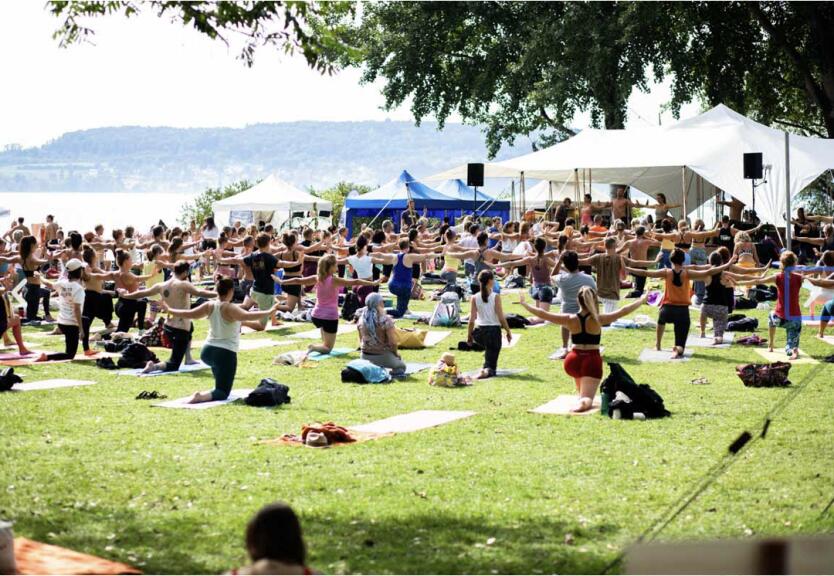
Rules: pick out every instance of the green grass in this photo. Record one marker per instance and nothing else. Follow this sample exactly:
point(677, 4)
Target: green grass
point(170, 491)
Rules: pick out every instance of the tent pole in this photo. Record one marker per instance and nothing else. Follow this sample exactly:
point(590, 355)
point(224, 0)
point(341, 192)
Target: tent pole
point(576, 185)
point(523, 190)
point(549, 197)
point(683, 188)
point(788, 230)
point(512, 199)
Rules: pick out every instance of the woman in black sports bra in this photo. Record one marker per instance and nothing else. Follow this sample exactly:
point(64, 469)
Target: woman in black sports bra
point(584, 363)
point(30, 264)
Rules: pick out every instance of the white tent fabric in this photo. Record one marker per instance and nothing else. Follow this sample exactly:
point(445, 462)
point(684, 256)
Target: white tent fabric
point(272, 195)
point(711, 145)
point(538, 197)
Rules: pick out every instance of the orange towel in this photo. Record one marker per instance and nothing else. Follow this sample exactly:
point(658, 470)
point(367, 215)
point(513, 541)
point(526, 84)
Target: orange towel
point(38, 558)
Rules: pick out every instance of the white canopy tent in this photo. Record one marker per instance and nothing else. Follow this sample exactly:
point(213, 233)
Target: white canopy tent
point(673, 160)
point(273, 197)
point(544, 193)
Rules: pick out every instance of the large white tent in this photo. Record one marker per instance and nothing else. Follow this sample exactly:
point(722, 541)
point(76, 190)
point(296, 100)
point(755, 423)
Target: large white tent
point(272, 195)
point(685, 161)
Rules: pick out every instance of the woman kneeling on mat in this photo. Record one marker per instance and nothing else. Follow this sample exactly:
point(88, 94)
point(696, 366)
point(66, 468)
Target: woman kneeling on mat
point(220, 350)
point(377, 336)
point(70, 304)
point(326, 311)
point(487, 314)
point(583, 363)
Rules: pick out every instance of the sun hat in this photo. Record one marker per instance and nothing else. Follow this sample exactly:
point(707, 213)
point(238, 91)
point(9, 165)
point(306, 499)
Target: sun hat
point(74, 264)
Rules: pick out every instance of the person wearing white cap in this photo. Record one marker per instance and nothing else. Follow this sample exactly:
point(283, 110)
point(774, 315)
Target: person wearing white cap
point(70, 303)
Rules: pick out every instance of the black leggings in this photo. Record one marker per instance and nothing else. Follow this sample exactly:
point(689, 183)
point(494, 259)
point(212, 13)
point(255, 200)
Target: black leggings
point(70, 343)
point(678, 316)
point(639, 284)
point(34, 293)
point(490, 338)
point(96, 305)
point(128, 310)
point(180, 341)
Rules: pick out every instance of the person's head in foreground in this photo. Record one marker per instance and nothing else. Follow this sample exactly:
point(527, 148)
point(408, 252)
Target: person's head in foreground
point(274, 542)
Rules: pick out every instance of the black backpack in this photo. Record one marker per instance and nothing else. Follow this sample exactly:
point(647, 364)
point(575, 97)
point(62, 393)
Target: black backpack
point(743, 303)
point(643, 398)
point(743, 325)
point(516, 321)
point(352, 376)
point(350, 306)
point(269, 393)
point(8, 379)
point(136, 356)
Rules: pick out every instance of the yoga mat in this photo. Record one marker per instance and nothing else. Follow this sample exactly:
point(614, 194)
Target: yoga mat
point(435, 337)
point(183, 402)
point(315, 334)
point(828, 339)
point(708, 342)
point(16, 356)
point(269, 328)
point(332, 354)
point(37, 558)
point(49, 384)
point(562, 405)
point(498, 373)
point(184, 368)
point(511, 343)
point(540, 325)
point(30, 361)
point(415, 367)
point(358, 437)
point(412, 421)
point(780, 356)
point(652, 355)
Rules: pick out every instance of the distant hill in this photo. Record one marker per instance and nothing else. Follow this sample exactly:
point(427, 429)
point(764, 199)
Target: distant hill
point(314, 154)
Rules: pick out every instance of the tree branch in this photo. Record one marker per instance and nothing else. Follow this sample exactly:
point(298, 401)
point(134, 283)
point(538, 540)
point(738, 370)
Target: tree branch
point(554, 124)
point(808, 129)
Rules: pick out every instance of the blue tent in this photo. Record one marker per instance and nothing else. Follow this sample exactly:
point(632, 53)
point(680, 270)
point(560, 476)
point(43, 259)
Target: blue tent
point(457, 188)
point(391, 199)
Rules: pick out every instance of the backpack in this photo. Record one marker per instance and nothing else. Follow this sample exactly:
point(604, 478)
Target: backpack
point(350, 306)
point(514, 281)
point(8, 379)
point(369, 373)
point(155, 336)
point(136, 355)
point(743, 303)
point(447, 311)
point(269, 393)
point(743, 325)
point(416, 291)
point(643, 398)
point(410, 339)
point(764, 375)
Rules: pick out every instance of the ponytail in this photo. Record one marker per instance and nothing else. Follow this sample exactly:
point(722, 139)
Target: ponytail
point(485, 276)
point(587, 298)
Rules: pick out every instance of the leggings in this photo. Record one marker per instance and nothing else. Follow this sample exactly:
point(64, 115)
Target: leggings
point(34, 293)
point(490, 338)
point(678, 316)
point(96, 305)
point(180, 341)
point(223, 366)
point(128, 310)
point(386, 360)
point(403, 294)
point(718, 314)
point(70, 343)
point(639, 284)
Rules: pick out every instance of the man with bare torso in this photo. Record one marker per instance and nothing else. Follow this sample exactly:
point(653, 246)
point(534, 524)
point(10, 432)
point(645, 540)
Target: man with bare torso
point(176, 293)
point(621, 205)
point(638, 249)
point(51, 235)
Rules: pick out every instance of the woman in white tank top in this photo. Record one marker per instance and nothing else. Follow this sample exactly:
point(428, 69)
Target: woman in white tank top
point(220, 350)
point(487, 315)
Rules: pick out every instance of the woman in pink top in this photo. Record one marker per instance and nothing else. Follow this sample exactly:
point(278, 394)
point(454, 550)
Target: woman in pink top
point(326, 312)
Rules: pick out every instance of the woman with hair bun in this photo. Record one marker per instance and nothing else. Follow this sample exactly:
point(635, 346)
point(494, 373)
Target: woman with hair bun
point(584, 363)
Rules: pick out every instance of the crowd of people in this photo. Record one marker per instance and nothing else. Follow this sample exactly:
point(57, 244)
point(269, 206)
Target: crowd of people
point(246, 276)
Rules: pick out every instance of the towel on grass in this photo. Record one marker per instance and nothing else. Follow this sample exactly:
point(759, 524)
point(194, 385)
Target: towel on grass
point(183, 402)
point(332, 354)
point(34, 557)
point(780, 356)
point(412, 421)
point(435, 337)
point(498, 373)
point(184, 368)
point(563, 404)
point(50, 384)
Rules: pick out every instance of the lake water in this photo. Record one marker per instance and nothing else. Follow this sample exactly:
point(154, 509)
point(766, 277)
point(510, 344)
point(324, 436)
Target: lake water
point(83, 210)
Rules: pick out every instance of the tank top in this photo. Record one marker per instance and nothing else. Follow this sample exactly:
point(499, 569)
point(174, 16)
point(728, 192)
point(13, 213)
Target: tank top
point(480, 264)
point(451, 264)
point(508, 245)
point(157, 277)
point(327, 300)
point(291, 270)
point(486, 311)
point(725, 238)
point(716, 292)
point(667, 244)
point(584, 337)
point(401, 274)
point(541, 272)
point(222, 334)
point(677, 295)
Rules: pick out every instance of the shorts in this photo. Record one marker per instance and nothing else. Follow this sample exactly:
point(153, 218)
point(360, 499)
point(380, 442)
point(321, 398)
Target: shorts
point(291, 290)
point(329, 326)
point(264, 302)
point(583, 364)
point(827, 311)
point(672, 314)
point(542, 293)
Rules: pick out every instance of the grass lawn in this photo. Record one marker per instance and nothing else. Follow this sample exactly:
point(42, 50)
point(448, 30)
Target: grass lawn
point(170, 491)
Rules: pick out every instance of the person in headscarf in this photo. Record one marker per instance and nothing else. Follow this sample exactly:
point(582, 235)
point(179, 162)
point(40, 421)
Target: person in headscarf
point(377, 336)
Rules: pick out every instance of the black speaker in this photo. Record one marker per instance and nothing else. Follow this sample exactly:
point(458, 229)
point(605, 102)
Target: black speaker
point(753, 166)
point(475, 175)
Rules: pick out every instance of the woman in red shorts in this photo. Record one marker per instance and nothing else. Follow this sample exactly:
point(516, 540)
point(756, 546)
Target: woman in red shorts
point(583, 363)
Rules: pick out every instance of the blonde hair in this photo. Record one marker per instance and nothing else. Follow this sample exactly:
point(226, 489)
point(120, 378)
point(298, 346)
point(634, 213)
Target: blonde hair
point(742, 237)
point(587, 298)
point(325, 267)
point(787, 259)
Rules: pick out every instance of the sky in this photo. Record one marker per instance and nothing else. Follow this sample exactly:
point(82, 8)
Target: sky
point(150, 71)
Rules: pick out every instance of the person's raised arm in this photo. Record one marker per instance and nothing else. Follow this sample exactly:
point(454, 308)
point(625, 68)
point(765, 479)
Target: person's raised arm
point(201, 311)
point(822, 282)
point(235, 312)
point(648, 273)
point(199, 292)
point(698, 274)
point(354, 282)
point(561, 319)
point(305, 281)
point(807, 240)
point(155, 289)
point(606, 319)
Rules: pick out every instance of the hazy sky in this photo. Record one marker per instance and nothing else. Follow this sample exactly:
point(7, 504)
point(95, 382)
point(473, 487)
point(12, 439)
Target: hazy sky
point(152, 72)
